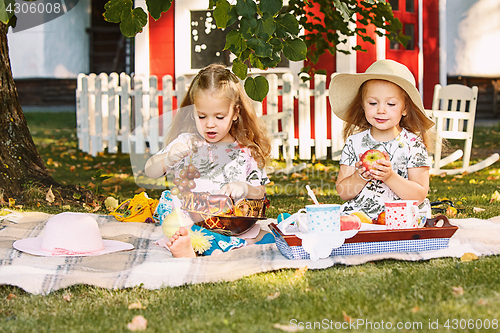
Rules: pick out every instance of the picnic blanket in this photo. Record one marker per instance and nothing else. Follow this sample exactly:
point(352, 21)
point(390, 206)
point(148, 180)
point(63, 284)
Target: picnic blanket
point(152, 266)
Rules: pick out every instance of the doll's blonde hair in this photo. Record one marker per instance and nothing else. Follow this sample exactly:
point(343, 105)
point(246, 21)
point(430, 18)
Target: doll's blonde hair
point(247, 129)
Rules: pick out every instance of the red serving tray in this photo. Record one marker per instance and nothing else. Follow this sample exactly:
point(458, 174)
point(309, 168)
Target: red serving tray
point(430, 230)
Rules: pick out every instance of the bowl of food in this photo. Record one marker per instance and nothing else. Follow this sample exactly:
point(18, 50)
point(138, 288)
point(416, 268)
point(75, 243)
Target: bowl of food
point(218, 213)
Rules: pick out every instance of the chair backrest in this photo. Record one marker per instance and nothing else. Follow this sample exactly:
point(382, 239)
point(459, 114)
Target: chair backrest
point(454, 111)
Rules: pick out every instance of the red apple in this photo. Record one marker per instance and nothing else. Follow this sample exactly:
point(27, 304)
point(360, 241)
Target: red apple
point(350, 222)
point(370, 157)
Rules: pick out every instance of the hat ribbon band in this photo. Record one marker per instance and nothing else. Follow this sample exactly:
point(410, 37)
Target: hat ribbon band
point(60, 252)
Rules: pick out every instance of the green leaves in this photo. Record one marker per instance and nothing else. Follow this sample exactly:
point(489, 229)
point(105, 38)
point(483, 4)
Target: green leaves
point(294, 49)
point(286, 26)
point(257, 88)
point(223, 13)
point(259, 39)
point(132, 20)
point(272, 7)
point(246, 8)
point(240, 69)
point(265, 31)
point(156, 7)
point(235, 43)
point(114, 9)
point(260, 47)
point(6, 11)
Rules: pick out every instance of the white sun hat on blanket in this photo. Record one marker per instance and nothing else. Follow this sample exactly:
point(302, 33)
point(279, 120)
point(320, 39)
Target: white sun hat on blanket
point(70, 234)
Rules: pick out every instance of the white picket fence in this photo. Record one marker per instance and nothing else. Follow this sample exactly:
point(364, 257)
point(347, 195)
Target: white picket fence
point(109, 108)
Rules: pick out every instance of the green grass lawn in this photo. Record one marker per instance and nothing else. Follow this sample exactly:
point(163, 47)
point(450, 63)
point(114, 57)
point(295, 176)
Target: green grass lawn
point(416, 295)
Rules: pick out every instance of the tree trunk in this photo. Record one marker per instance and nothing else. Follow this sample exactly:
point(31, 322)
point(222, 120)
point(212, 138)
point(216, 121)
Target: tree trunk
point(20, 161)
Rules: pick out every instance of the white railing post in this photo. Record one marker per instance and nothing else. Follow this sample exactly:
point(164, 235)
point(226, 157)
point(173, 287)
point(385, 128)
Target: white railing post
point(272, 109)
point(82, 113)
point(304, 121)
point(181, 89)
point(114, 107)
point(104, 102)
point(288, 125)
point(138, 136)
point(153, 130)
point(320, 118)
point(125, 111)
point(92, 107)
point(168, 105)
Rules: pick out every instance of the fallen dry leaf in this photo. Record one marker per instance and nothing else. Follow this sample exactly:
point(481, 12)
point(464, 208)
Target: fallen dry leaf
point(478, 210)
point(287, 328)
point(469, 257)
point(495, 196)
point(139, 190)
point(138, 323)
point(11, 296)
point(270, 297)
point(111, 203)
point(50, 197)
point(451, 211)
point(457, 291)
point(136, 306)
point(346, 317)
point(67, 298)
point(482, 302)
point(299, 273)
point(72, 168)
point(415, 309)
point(12, 202)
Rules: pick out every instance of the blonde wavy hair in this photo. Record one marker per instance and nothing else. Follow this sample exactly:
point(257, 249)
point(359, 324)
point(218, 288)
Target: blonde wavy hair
point(414, 120)
point(248, 130)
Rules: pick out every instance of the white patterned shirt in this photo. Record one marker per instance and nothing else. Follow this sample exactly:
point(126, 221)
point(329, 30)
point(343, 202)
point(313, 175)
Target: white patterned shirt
point(219, 164)
point(405, 151)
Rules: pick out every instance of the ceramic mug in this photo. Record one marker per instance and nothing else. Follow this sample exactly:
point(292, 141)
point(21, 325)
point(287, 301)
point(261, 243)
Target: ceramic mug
point(401, 214)
point(299, 220)
point(322, 218)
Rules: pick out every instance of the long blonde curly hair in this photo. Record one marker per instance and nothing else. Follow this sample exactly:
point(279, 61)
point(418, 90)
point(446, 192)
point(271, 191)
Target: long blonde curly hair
point(248, 130)
point(414, 120)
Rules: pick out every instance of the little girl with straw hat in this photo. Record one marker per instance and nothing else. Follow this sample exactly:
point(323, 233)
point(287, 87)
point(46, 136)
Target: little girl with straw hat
point(382, 110)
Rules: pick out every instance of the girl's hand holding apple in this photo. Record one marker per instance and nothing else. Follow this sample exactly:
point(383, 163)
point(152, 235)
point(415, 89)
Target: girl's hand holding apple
point(382, 170)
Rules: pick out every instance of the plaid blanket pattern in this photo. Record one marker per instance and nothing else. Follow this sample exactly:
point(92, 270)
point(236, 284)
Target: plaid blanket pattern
point(154, 267)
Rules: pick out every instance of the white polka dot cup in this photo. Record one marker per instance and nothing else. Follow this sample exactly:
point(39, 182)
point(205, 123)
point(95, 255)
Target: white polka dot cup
point(322, 218)
point(401, 214)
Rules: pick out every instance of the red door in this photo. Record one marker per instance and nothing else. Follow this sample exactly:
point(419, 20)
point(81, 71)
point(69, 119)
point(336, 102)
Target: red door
point(407, 12)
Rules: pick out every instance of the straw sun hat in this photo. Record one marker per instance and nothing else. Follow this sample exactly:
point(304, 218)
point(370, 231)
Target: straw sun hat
point(70, 234)
point(344, 87)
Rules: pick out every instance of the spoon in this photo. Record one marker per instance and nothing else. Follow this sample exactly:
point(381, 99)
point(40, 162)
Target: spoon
point(312, 195)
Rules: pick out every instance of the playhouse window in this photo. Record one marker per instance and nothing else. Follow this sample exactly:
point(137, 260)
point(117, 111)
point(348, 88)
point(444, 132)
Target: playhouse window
point(394, 4)
point(410, 32)
point(410, 6)
point(394, 45)
point(207, 42)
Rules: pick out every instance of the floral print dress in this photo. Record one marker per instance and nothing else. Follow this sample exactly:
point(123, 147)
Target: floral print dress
point(219, 164)
point(405, 151)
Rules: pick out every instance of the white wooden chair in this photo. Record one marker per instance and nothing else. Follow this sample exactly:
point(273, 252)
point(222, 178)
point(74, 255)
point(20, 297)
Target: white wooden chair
point(454, 112)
